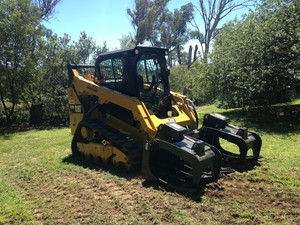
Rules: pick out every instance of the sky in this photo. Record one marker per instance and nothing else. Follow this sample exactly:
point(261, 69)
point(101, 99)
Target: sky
point(103, 20)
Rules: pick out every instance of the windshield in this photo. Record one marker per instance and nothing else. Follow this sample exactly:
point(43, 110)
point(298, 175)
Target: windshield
point(149, 70)
point(152, 83)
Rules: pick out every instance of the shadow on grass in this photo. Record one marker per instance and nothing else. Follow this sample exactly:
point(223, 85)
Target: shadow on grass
point(277, 119)
point(6, 131)
point(52, 124)
point(98, 166)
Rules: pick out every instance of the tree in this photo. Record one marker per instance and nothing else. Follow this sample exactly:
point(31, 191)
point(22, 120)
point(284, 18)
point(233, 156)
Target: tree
point(46, 7)
point(21, 47)
point(20, 36)
point(173, 30)
point(155, 24)
point(58, 52)
point(211, 13)
point(85, 47)
point(256, 60)
point(184, 81)
point(99, 50)
point(126, 41)
point(146, 17)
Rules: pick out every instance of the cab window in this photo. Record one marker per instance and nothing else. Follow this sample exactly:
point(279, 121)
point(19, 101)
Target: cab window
point(149, 69)
point(113, 70)
point(112, 74)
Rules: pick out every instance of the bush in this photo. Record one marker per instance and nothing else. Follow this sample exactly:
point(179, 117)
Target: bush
point(196, 83)
point(256, 61)
point(185, 81)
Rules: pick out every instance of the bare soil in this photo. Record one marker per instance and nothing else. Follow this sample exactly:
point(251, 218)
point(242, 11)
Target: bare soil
point(96, 196)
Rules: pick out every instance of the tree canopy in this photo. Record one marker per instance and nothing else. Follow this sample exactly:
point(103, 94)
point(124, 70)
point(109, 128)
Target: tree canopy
point(33, 60)
point(212, 12)
point(153, 22)
point(20, 38)
point(253, 61)
point(256, 61)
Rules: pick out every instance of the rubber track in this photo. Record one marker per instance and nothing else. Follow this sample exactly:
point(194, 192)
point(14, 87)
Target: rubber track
point(120, 140)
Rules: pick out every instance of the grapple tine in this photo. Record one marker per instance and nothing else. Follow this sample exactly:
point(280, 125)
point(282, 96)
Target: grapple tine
point(216, 127)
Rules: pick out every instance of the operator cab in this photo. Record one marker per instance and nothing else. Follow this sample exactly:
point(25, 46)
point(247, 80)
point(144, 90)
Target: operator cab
point(141, 72)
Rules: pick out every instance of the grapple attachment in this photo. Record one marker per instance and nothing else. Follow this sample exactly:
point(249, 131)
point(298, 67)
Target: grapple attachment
point(179, 160)
point(216, 127)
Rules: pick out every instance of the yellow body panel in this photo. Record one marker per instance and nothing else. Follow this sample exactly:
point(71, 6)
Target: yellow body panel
point(148, 120)
point(75, 114)
point(94, 149)
point(103, 151)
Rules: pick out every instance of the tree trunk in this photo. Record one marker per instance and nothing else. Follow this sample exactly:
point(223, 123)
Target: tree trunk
point(190, 57)
point(195, 53)
point(178, 54)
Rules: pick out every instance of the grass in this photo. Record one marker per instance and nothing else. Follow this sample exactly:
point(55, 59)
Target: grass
point(22, 155)
point(39, 183)
point(12, 205)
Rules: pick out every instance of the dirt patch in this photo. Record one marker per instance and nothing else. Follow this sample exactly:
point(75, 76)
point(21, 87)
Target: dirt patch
point(255, 202)
point(88, 196)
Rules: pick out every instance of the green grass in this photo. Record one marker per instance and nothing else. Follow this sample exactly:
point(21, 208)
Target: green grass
point(22, 155)
point(12, 205)
point(36, 174)
point(38, 147)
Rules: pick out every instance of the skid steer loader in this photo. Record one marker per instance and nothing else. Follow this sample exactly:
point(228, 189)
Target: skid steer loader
point(124, 113)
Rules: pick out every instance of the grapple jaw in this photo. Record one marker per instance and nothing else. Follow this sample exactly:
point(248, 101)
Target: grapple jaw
point(216, 127)
point(179, 160)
